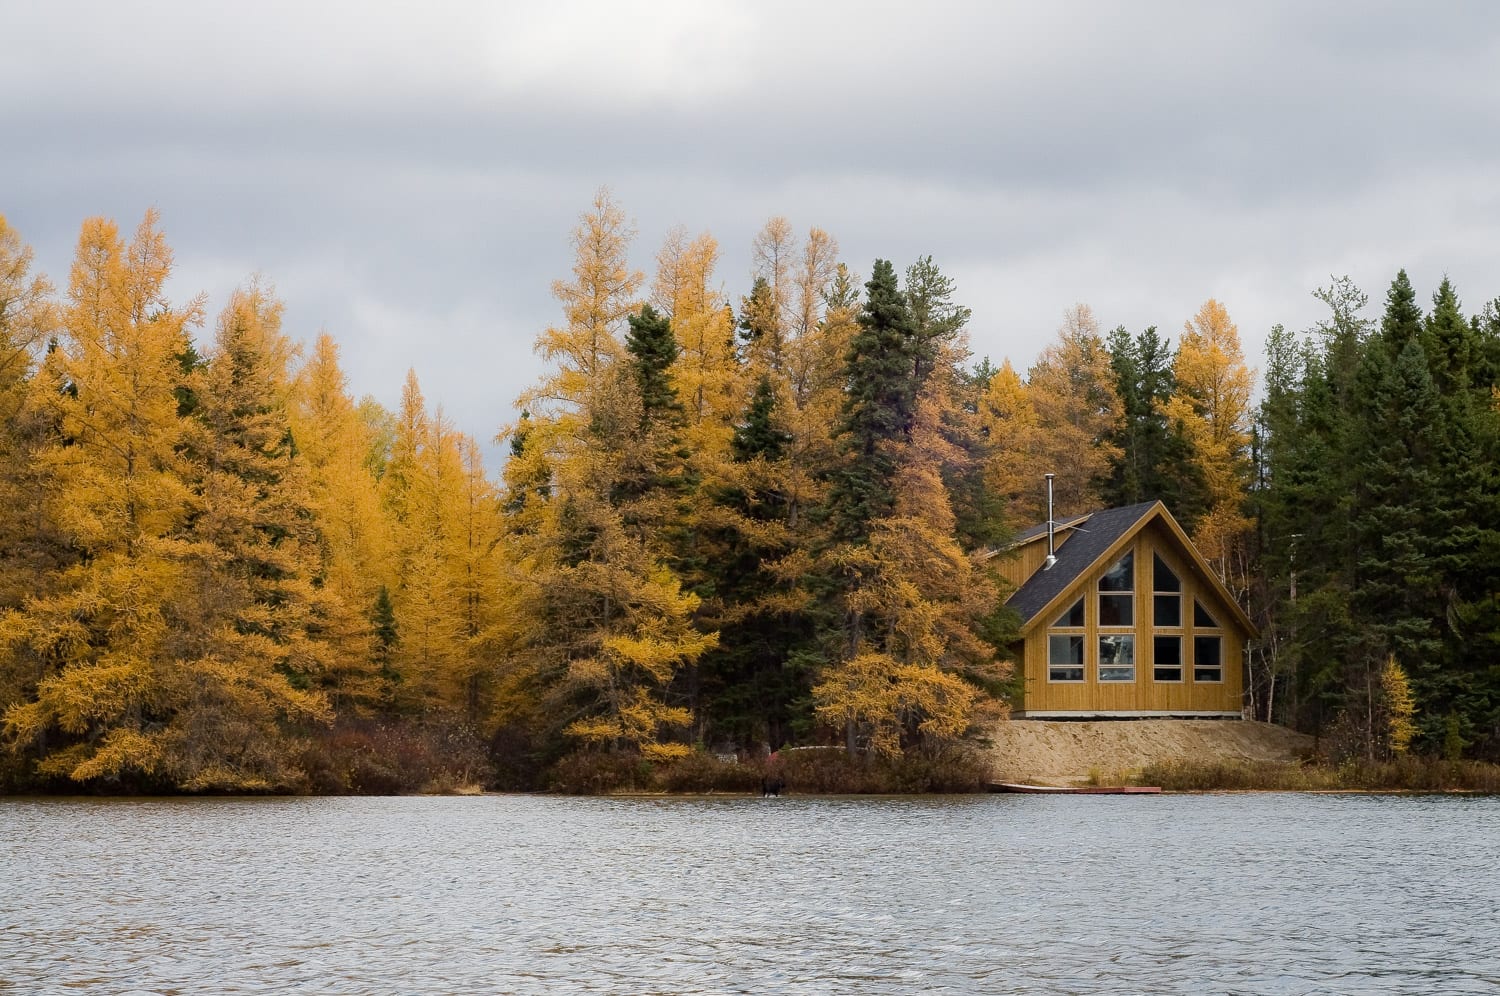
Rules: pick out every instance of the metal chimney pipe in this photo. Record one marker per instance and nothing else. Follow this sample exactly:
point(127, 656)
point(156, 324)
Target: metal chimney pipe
point(1051, 557)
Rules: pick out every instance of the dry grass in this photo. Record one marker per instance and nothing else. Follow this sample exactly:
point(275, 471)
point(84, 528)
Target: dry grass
point(1406, 775)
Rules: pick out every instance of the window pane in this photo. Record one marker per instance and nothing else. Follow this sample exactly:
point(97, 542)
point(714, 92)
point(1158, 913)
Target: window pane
point(1167, 661)
point(1120, 577)
point(1072, 617)
point(1162, 577)
point(1117, 658)
point(1116, 610)
point(1168, 610)
point(1117, 649)
point(1201, 616)
point(1208, 661)
point(1065, 658)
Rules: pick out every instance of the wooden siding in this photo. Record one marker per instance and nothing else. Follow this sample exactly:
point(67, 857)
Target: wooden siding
point(1144, 694)
point(1021, 562)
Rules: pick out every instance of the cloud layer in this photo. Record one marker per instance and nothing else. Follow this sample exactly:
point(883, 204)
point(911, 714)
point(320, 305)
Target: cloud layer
point(407, 174)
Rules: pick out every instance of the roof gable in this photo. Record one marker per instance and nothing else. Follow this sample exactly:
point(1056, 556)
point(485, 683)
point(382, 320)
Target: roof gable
point(1095, 539)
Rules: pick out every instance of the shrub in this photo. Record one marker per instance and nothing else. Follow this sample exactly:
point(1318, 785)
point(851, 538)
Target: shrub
point(373, 758)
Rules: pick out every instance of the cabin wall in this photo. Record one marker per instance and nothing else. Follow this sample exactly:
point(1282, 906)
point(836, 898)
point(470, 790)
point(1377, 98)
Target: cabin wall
point(1020, 563)
point(1144, 695)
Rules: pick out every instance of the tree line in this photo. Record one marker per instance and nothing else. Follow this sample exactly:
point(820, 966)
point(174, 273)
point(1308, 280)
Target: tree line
point(723, 524)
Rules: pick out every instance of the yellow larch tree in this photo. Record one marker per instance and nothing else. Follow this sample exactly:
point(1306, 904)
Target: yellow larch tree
point(29, 548)
point(1070, 390)
point(1016, 463)
point(418, 490)
point(1211, 407)
point(121, 689)
point(706, 375)
point(335, 442)
point(920, 667)
point(612, 623)
point(257, 635)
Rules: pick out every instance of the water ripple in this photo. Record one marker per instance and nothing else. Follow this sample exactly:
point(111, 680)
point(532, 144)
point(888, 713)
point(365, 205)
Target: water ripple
point(1255, 894)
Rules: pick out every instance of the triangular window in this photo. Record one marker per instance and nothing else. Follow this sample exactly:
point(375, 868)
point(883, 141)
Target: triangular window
point(1201, 616)
point(1073, 617)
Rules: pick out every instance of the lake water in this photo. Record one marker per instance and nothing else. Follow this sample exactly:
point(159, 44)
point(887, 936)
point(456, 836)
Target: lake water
point(517, 894)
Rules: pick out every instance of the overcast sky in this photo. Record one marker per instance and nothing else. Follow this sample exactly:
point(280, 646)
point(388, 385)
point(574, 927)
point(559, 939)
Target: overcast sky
point(407, 174)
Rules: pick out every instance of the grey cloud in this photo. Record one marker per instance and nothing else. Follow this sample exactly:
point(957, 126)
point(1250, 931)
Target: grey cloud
point(405, 193)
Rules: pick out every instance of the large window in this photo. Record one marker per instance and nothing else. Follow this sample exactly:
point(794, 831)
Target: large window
point(1116, 601)
point(1166, 617)
point(1117, 621)
point(1167, 600)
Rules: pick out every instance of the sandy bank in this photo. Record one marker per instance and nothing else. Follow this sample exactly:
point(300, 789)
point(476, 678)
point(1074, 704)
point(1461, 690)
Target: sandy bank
point(1051, 752)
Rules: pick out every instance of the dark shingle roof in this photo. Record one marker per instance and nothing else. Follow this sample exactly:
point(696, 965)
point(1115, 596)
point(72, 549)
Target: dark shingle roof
point(1086, 544)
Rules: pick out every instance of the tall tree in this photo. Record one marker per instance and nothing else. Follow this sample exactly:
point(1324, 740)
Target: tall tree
point(118, 693)
point(1211, 407)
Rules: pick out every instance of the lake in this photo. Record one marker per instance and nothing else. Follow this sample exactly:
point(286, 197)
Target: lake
point(1262, 893)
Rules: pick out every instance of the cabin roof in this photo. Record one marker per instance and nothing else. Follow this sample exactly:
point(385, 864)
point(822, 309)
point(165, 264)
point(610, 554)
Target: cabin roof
point(1090, 538)
point(1039, 531)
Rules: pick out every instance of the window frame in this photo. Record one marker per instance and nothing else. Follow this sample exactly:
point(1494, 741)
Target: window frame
point(1124, 633)
point(1161, 632)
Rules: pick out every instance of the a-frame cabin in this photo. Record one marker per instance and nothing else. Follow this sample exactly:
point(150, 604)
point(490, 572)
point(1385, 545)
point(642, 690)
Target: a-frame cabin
point(1127, 620)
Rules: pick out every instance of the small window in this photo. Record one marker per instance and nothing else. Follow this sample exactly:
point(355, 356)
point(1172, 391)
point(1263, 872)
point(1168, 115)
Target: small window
point(1117, 657)
point(1208, 658)
point(1120, 577)
point(1116, 610)
point(1065, 658)
point(1162, 578)
point(1072, 617)
point(1201, 616)
point(1166, 664)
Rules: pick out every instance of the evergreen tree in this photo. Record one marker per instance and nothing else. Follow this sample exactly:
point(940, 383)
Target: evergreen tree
point(882, 360)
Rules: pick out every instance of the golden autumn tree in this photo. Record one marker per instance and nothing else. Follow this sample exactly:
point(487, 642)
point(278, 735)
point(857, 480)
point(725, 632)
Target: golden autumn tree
point(29, 548)
point(335, 441)
point(614, 625)
point(1211, 407)
point(1071, 389)
point(919, 668)
point(120, 689)
point(1010, 423)
point(706, 374)
point(259, 634)
point(417, 489)
point(911, 666)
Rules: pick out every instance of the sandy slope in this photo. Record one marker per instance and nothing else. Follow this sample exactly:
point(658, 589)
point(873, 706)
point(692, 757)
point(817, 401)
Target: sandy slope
point(1053, 752)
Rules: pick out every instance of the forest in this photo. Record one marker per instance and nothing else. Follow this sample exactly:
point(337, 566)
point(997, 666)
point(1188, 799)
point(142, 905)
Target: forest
point(725, 524)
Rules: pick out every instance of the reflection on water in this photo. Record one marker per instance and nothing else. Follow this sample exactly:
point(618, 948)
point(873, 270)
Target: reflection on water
point(997, 894)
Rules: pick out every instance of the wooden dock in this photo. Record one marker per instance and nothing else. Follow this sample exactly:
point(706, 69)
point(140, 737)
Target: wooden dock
point(1075, 789)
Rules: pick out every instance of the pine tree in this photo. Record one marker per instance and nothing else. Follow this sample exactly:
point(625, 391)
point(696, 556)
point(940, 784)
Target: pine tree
point(880, 397)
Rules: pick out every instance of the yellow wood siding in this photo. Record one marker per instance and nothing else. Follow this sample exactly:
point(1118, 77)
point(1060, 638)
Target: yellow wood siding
point(1144, 694)
point(1018, 564)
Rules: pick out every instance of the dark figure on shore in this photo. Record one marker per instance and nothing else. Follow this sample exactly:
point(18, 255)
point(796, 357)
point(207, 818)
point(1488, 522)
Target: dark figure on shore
point(772, 785)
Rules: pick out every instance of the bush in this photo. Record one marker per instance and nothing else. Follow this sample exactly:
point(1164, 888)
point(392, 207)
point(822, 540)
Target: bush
point(703, 773)
point(834, 771)
point(601, 774)
point(392, 758)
